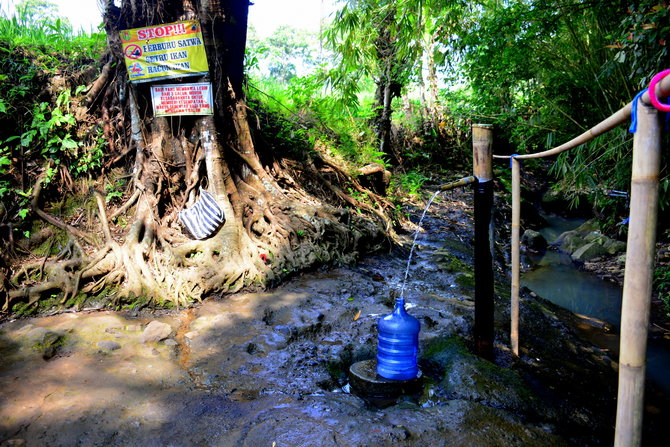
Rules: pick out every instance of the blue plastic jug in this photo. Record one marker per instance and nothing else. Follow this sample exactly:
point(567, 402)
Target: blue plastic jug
point(398, 344)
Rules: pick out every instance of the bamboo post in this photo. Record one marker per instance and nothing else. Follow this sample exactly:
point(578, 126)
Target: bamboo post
point(638, 277)
point(516, 225)
point(482, 145)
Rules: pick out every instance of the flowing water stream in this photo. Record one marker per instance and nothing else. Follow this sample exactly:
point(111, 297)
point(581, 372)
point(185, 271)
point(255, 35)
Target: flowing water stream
point(557, 279)
point(411, 251)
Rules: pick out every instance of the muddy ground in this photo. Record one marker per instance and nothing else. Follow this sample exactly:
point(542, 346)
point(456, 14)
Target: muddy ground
point(270, 369)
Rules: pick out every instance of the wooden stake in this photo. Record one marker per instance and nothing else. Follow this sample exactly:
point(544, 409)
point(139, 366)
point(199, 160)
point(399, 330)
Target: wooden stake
point(482, 141)
point(638, 278)
point(516, 225)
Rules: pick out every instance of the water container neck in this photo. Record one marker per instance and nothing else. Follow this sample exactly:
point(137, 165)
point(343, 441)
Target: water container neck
point(399, 306)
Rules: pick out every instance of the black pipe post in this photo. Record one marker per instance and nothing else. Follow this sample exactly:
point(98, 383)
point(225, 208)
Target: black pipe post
point(482, 145)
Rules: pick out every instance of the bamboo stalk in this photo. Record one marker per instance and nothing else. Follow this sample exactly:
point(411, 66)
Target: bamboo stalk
point(455, 184)
point(516, 225)
point(482, 152)
point(638, 277)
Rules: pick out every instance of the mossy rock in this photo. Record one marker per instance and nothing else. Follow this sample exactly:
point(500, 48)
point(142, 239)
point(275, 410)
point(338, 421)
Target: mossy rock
point(570, 241)
point(467, 377)
point(589, 251)
point(589, 226)
point(46, 342)
point(614, 246)
point(466, 281)
point(450, 263)
point(533, 240)
point(596, 236)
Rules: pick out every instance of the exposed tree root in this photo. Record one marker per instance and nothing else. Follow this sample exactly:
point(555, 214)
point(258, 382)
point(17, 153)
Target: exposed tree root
point(273, 225)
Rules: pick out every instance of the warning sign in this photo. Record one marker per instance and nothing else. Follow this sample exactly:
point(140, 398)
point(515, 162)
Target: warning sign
point(182, 99)
point(164, 51)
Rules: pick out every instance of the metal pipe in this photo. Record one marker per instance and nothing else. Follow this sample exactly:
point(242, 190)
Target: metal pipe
point(482, 142)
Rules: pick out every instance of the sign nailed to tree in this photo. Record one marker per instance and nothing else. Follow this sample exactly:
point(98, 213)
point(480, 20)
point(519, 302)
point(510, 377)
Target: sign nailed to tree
point(182, 99)
point(164, 51)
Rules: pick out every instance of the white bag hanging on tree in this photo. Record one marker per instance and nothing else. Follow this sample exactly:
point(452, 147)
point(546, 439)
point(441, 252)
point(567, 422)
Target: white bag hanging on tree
point(204, 217)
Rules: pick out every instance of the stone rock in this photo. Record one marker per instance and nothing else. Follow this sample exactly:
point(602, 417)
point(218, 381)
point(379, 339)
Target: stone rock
point(614, 246)
point(155, 331)
point(133, 328)
point(589, 251)
point(45, 341)
point(171, 342)
point(588, 226)
point(533, 240)
point(468, 377)
point(570, 241)
point(15, 442)
point(596, 236)
point(191, 335)
point(108, 345)
point(37, 334)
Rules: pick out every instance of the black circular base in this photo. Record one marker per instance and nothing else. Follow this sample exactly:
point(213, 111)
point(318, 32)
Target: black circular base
point(365, 382)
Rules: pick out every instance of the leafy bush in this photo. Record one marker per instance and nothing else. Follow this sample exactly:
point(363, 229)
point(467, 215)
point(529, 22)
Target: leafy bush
point(38, 129)
point(662, 285)
point(410, 182)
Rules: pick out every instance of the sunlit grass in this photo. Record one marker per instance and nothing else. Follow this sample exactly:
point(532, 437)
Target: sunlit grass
point(52, 42)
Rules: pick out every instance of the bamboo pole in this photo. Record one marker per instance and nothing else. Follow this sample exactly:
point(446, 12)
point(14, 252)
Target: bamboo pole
point(638, 277)
point(460, 182)
point(482, 147)
point(516, 225)
point(482, 152)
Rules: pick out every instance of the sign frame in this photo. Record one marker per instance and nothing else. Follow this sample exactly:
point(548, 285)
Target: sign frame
point(166, 51)
point(188, 99)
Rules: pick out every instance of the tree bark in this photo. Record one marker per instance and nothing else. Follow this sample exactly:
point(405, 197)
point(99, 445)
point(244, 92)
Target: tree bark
point(272, 227)
point(388, 87)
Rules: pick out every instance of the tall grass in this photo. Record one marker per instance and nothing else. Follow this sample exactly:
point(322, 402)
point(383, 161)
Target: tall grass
point(331, 125)
point(51, 41)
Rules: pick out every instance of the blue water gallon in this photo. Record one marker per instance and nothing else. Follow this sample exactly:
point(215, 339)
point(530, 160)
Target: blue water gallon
point(398, 344)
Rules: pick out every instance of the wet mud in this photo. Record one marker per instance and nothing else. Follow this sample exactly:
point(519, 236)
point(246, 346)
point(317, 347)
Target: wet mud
point(270, 369)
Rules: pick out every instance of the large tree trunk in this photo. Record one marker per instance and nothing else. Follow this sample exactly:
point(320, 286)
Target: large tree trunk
point(273, 226)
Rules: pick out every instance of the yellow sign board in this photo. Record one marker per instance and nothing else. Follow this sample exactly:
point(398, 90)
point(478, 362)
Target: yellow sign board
point(164, 51)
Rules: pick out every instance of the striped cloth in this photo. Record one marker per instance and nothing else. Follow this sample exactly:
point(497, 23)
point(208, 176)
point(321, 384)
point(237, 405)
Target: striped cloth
point(203, 218)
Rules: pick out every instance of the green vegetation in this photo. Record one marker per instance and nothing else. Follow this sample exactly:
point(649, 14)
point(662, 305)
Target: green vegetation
point(40, 59)
point(390, 83)
point(662, 286)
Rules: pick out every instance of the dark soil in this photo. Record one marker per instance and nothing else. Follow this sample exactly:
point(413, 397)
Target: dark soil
point(271, 368)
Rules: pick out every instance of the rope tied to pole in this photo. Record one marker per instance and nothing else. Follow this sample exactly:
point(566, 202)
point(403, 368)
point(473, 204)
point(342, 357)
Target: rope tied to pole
point(511, 159)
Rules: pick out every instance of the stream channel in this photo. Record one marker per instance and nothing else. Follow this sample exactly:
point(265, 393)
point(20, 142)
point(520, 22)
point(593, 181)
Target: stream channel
point(270, 368)
point(556, 278)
